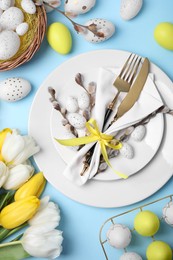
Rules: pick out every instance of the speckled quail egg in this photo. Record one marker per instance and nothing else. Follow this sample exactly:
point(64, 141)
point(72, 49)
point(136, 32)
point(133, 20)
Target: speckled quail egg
point(76, 120)
point(54, 3)
point(76, 7)
point(119, 236)
point(105, 28)
point(1, 11)
point(14, 89)
point(28, 6)
point(11, 18)
point(130, 256)
point(130, 8)
point(5, 4)
point(9, 44)
point(168, 213)
point(72, 104)
point(69, 135)
point(127, 151)
point(139, 133)
point(22, 29)
point(83, 101)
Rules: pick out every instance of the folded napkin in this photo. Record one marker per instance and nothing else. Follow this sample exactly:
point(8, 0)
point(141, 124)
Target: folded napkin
point(148, 102)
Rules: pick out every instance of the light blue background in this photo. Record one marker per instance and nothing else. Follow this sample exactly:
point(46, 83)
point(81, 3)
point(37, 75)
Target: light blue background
point(81, 223)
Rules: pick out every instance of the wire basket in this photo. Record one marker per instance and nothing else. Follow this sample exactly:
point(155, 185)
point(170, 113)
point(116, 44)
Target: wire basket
point(118, 218)
point(31, 41)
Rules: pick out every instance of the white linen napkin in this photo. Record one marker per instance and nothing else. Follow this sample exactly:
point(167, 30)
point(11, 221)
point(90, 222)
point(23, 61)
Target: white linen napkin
point(148, 102)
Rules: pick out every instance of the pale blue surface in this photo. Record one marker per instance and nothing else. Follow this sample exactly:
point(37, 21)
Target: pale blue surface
point(81, 223)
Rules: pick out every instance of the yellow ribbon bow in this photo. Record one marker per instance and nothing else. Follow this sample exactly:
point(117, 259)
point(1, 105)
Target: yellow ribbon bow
point(95, 135)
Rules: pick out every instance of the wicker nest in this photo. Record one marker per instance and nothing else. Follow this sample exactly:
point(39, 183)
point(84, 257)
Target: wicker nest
point(31, 41)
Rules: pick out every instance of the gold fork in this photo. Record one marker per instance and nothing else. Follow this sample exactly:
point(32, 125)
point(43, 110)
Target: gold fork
point(124, 81)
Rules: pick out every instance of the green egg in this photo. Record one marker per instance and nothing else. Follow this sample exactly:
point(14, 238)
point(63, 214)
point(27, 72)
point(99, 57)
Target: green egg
point(163, 34)
point(59, 38)
point(159, 250)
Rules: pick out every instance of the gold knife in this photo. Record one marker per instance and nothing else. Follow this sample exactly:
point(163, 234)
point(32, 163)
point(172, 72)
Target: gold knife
point(134, 92)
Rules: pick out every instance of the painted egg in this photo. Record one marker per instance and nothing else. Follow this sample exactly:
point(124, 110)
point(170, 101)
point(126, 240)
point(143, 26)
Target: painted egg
point(76, 7)
point(10, 44)
point(105, 28)
point(14, 89)
point(119, 236)
point(69, 135)
point(139, 133)
point(59, 38)
point(11, 18)
point(54, 3)
point(71, 104)
point(76, 120)
point(5, 4)
point(127, 151)
point(130, 8)
point(159, 250)
point(130, 256)
point(168, 213)
point(146, 223)
point(28, 6)
point(22, 29)
point(83, 101)
point(163, 34)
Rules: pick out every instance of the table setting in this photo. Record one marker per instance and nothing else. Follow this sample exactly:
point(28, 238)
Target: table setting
point(86, 130)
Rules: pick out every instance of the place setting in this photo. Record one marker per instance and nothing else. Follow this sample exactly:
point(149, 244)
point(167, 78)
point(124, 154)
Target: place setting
point(88, 102)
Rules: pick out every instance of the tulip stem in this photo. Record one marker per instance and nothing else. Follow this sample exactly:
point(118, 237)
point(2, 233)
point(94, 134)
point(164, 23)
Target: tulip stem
point(10, 243)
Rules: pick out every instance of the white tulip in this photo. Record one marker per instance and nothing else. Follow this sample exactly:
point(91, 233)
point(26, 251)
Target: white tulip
point(3, 173)
point(47, 216)
point(16, 148)
point(38, 244)
point(18, 175)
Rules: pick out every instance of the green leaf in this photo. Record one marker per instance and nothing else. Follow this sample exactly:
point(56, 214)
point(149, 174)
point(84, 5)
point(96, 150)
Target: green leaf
point(12, 251)
point(6, 198)
point(4, 233)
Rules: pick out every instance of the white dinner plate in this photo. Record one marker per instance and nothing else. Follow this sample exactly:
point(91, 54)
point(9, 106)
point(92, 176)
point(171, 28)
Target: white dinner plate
point(144, 151)
point(100, 193)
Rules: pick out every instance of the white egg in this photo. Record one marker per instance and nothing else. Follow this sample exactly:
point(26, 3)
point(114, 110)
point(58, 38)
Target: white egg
point(119, 236)
point(69, 135)
point(168, 213)
point(54, 3)
point(139, 133)
point(76, 120)
point(127, 151)
point(76, 7)
point(130, 8)
point(71, 104)
point(28, 6)
point(14, 89)
point(130, 256)
point(104, 27)
point(9, 44)
point(83, 101)
point(11, 18)
point(22, 29)
point(5, 4)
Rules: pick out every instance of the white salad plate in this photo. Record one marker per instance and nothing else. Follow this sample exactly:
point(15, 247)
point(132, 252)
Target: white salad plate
point(100, 193)
point(144, 151)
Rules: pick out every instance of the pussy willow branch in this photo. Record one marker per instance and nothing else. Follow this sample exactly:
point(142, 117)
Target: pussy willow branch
point(91, 28)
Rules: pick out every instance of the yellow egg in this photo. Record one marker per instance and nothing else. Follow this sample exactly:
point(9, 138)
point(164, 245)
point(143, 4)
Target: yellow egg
point(159, 250)
point(146, 223)
point(163, 34)
point(59, 38)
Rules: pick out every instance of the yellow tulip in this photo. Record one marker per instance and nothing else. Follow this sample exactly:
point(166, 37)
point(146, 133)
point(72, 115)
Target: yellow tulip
point(17, 213)
point(3, 134)
point(33, 187)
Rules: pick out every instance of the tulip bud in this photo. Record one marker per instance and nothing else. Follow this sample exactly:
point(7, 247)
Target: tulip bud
point(18, 175)
point(3, 173)
point(17, 213)
point(3, 134)
point(33, 187)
